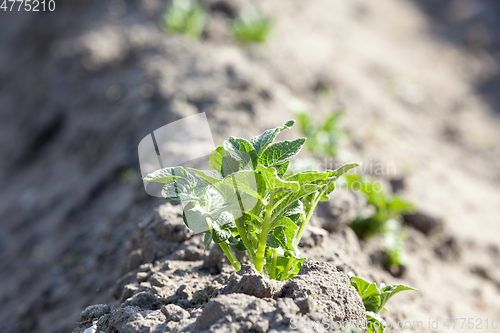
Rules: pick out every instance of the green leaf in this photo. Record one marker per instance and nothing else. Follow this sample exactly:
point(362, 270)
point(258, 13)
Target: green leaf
point(400, 206)
point(368, 291)
point(242, 151)
point(389, 291)
point(294, 210)
point(331, 121)
point(249, 186)
point(229, 165)
point(237, 243)
point(185, 17)
point(195, 214)
point(251, 26)
point(283, 222)
point(291, 241)
point(375, 323)
point(243, 187)
point(375, 297)
point(335, 174)
point(183, 186)
point(195, 217)
point(308, 177)
point(261, 142)
point(215, 159)
point(324, 196)
point(280, 152)
point(207, 240)
point(276, 238)
point(297, 265)
point(211, 177)
point(166, 175)
point(287, 199)
point(221, 227)
point(282, 234)
point(274, 183)
point(282, 168)
point(280, 264)
point(253, 237)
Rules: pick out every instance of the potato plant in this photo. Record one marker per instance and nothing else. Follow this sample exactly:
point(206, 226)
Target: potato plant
point(374, 299)
point(251, 26)
point(387, 207)
point(325, 137)
point(186, 17)
point(385, 220)
point(246, 201)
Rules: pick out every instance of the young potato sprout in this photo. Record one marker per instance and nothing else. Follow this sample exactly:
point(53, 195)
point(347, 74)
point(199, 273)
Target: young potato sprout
point(386, 219)
point(374, 299)
point(251, 26)
point(186, 17)
point(246, 201)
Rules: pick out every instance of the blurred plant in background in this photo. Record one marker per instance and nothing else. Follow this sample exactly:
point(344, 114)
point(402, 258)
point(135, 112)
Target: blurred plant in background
point(251, 26)
point(186, 17)
point(394, 238)
point(384, 218)
point(325, 137)
point(383, 215)
point(387, 207)
point(374, 298)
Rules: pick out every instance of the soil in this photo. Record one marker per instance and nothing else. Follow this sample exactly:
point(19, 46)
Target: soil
point(81, 86)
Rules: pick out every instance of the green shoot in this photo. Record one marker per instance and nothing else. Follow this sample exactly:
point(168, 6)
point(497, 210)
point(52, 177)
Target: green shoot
point(251, 26)
point(246, 200)
point(394, 238)
point(386, 219)
point(387, 207)
point(374, 299)
point(186, 17)
point(324, 138)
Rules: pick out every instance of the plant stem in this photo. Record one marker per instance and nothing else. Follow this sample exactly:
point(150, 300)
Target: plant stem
point(241, 229)
point(287, 269)
point(259, 260)
point(244, 238)
point(272, 275)
point(230, 255)
point(255, 217)
point(305, 221)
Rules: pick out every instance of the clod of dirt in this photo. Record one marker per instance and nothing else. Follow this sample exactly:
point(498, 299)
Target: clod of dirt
point(306, 305)
point(164, 234)
point(94, 312)
point(240, 313)
point(398, 184)
point(424, 222)
point(313, 236)
point(329, 288)
point(200, 297)
point(249, 281)
point(448, 249)
point(342, 208)
point(174, 312)
point(131, 320)
point(145, 300)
